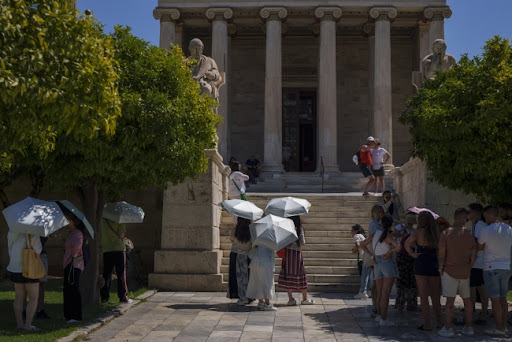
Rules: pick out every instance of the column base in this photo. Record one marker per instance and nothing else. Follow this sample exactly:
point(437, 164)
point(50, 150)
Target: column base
point(272, 171)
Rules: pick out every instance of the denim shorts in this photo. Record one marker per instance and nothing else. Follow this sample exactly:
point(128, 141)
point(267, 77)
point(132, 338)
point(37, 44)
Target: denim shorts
point(496, 283)
point(385, 268)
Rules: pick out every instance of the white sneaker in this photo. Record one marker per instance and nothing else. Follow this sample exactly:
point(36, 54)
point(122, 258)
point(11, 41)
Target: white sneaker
point(260, 306)
point(269, 307)
point(359, 295)
point(468, 331)
point(292, 302)
point(387, 323)
point(446, 332)
point(365, 295)
point(378, 318)
point(495, 332)
point(242, 302)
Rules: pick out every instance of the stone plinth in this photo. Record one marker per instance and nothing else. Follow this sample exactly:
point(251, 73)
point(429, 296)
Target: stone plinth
point(190, 255)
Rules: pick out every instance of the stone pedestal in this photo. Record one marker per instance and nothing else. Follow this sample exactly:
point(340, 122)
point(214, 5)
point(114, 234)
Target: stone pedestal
point(382, 103)
point(327, 109)
point(190, 255)
point(219, 18)
point(273, 135)
point(168, 21)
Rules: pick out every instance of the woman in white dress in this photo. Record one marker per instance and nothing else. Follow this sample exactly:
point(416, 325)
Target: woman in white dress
point(261, 278)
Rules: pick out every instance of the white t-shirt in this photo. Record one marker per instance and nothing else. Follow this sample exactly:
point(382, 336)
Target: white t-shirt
point(239, 179)
point(378, 157)
point(497, 238)
point(359, 238)
point(479, 261)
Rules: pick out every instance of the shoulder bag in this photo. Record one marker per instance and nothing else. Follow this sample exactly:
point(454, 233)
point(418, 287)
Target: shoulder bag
point(33, 267)
point(128, 244)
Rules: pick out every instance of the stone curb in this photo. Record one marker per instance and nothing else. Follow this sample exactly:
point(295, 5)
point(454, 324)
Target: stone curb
point(105, 318)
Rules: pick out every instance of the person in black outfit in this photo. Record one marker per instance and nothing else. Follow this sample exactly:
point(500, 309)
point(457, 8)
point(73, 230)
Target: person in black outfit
point(252, 168)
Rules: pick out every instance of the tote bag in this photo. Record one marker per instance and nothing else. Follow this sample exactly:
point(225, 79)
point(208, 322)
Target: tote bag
point(33, 267)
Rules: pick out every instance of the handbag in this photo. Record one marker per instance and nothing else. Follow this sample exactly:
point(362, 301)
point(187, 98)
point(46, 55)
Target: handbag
point(33, 267)
point(243, 196)
point(128, 244)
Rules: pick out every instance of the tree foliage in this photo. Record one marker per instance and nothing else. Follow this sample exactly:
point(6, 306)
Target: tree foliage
point(57, 77)
point(461, 124)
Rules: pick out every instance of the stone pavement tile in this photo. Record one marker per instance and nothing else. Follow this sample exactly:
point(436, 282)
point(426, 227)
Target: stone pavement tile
point(227, 333)
point(125, 339)
point(162, 333)
point(135, 330)
point(178, 320)
point(297, 334)
point(190, 337)
point(232, 321)
point(235, 327)
point(196, 299)
point(286, 339)
point(199, 328)
point(256, 328)
point(252, 336)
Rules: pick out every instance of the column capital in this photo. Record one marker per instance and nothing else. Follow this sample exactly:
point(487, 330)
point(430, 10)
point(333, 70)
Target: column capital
point(218, 13)
point(166, 14)
point(437, 13)
point(383, 13)
point(273, 13)
point(328, 13)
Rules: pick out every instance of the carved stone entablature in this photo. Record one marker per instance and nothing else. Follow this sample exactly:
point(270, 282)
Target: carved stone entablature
point(383, 13)
point(437, 13)
point(167, 14)
point(217, 13)
point(328, 13)
point(232, 30)
point(369, 30)
point(273, 13)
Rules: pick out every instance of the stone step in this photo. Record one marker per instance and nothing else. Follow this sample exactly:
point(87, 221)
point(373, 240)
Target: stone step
point(347, 287)
point(308, 247)
point(312, 270)
point(314, 227)
point(346, 234)
point(320, 278)
point(315, 262)
point(309, 240)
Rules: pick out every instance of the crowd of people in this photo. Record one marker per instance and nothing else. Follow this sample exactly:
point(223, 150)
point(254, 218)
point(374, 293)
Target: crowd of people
point(73, 237)
point(429, 257)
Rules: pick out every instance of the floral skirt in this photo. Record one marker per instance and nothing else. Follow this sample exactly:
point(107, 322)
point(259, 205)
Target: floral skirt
point(293, 273)
point(406, 289)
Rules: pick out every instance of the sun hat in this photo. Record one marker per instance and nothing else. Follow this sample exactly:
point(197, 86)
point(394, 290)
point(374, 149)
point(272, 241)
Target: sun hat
point(370, 138)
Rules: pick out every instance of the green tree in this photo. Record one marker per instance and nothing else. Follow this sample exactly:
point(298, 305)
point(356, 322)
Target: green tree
point(161, 136)
point(461, 124)
point(57, 76)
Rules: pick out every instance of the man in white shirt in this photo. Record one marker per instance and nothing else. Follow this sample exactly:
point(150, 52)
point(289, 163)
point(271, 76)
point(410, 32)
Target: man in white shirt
point(496, 241)
point(476, 280)
point(379, 157)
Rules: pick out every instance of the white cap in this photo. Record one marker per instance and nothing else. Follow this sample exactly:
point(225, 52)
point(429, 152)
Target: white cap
point(370, 138)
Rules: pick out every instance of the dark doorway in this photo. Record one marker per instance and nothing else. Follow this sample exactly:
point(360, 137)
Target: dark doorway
point(299, 130)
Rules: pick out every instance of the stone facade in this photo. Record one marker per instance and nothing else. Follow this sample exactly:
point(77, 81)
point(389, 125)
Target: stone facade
point(356, 57)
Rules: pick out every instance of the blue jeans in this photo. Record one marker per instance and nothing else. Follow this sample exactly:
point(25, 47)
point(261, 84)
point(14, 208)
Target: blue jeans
point(496, 283)
point(385, 268)
point(366, 279)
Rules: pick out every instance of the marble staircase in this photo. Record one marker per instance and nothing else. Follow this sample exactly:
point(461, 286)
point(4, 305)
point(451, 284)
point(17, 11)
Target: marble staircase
point(330, 264)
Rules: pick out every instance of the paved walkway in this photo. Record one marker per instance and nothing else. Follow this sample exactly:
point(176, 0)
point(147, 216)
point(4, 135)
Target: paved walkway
point(187, 316)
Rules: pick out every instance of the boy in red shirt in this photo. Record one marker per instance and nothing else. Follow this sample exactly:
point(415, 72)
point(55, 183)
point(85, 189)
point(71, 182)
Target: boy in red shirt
point(366, 164)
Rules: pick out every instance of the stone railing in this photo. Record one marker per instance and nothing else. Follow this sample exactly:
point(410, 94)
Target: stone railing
point(411, 183)
point(190, 255)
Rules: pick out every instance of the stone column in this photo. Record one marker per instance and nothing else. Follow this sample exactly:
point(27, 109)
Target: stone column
point(273, 136)
point(327, 109)
point(369, 31)
point(435, 16)
point(382, 96)
point(423, 39)
point(219, 18)
point(168, 19)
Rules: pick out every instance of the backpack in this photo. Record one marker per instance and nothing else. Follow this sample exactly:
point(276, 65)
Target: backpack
point(86, 252)
point(357, 157)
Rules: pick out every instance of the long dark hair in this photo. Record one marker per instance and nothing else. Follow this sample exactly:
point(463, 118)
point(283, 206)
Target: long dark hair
point(387, 222)
point(242, 232)
point(298, 226)
point(359, 230)
point(428, 224)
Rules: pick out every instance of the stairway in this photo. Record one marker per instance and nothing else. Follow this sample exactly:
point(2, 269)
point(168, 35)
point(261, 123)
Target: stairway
point(330, 264)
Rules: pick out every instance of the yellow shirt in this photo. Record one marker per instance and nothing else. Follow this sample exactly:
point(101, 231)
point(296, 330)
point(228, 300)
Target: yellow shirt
point(110, 241)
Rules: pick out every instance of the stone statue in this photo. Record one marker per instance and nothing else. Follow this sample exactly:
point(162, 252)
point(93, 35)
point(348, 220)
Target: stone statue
point(437, 60)
point(205, 71)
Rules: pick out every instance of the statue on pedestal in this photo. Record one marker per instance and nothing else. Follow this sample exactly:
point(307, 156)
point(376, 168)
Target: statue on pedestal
point(205, 71)
point(437, 60)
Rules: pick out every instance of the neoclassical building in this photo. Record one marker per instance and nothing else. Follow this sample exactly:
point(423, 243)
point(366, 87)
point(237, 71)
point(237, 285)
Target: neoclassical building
point(307, 81)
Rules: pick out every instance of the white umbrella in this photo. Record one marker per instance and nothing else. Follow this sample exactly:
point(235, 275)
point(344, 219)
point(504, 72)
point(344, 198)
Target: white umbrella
point(418, 210)
point(288, 206)
point(71, 207)
point(122, 212)
point(241, 208)
point(273, 232)
point(35, 216)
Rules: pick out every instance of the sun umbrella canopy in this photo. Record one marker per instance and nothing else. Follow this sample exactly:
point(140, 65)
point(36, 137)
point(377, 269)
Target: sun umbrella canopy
point(418, 210)
point(122, 212)
point(288, 206)
point(71, 207)
point(273, 232)
point(35, 216)
point(241, 208)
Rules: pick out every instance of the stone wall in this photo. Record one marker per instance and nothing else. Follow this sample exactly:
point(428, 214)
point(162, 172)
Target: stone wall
point(189, 258)
point(411, 183)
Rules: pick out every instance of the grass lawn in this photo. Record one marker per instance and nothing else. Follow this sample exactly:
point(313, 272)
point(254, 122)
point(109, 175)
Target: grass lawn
point(56, 327)
point(509, 296)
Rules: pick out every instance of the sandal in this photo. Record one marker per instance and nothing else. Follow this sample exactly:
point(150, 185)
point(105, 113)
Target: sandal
point(307, 302)
point(292, 302)
point(32, 328)
point(366, 194)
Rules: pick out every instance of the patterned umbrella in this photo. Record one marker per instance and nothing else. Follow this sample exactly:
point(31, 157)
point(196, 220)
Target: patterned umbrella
point(273, 232)
point(122, 212)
